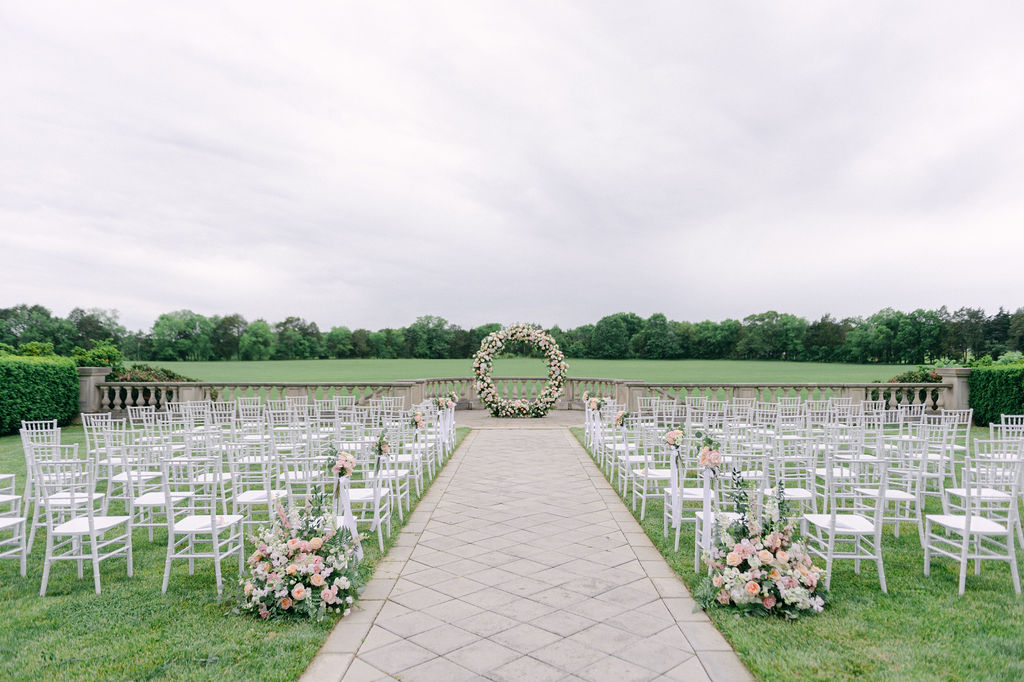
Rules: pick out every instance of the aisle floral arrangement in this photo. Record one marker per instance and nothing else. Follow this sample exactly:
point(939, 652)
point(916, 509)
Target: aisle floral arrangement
point(483, 364)
point(304, 565)
point(708, 455)
point(447, 401)
point(757, 565)
point(620, 418)
point(595, 402)
point(418, 421)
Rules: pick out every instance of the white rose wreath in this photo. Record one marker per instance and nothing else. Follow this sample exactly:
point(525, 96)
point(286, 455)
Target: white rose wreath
point(483, 363)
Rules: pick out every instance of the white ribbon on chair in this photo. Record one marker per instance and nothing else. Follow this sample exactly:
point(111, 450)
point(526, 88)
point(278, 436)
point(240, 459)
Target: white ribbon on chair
point(676, 483)
point(706, 511)
point(344, 512)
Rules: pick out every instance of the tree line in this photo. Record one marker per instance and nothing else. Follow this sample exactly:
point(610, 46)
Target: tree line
point(888, 336)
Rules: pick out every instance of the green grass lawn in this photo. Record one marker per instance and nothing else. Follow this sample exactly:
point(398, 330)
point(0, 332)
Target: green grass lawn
point(920, 630)
point(132, 631)
point(667, 371)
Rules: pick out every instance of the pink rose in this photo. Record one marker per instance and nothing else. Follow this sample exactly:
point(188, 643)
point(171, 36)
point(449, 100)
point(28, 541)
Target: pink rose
point(723, 597)
point(299, 592)
point(769, 602)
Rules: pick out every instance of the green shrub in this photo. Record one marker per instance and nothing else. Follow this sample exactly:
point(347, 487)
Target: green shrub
point(147, 373)
point(921, 375)
point(102, 354)
point(996, 391)
point(36, 388)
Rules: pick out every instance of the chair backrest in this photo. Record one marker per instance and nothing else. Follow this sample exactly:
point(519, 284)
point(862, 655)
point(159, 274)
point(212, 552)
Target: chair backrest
point(224, 413)
point(38, 433)
point(192, 485)
point(140, 416)
point(66, 479)
point(1005, 431)
point(1008, 419)
point(993, 465)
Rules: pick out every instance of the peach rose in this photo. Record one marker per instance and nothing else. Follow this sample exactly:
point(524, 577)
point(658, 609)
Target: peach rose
point(316, 579)
point(299, 592)
point(316, 543)
point(765, 556)
point(248, 589)
point(752, 588)
point(733, 559)
point(292, 569)
point(717, 581)
point(285, 603)
point(782, 556)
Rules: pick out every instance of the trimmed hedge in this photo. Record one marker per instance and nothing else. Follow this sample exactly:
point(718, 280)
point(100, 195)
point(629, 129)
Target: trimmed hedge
point(996, 391)
point(36, 388)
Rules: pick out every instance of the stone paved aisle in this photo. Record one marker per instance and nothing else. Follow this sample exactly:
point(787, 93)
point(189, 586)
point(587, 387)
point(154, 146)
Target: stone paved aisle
point(521, 563)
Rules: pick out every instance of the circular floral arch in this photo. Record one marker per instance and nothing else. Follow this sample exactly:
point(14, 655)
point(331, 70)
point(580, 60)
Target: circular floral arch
point(483, 363)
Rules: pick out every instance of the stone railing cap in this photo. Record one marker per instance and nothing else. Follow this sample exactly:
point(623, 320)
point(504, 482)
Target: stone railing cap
point(94, 371)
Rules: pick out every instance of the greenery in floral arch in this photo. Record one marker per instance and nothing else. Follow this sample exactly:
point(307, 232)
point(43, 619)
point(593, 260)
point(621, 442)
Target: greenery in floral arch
point(483, 363)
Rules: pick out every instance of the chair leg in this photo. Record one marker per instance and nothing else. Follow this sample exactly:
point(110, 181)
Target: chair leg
point(241, 552)
point(34, 523)
point(47, 562)
point(881, 568)
point(216, 565)
point(167, 564)
point(94, 541)
point(1013, 562)
point(927, 548)
point(24, 551)
point(963, 564)
point(131, 561)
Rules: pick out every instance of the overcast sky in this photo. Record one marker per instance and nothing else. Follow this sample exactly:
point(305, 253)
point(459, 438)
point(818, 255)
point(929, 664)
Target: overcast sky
point(363, 164)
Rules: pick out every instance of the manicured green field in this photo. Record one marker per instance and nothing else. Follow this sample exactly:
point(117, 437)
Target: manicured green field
point(920, 630)
point(643, 370)
point(132, 631)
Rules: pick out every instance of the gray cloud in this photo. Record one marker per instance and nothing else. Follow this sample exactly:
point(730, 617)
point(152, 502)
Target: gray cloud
point(552, 162)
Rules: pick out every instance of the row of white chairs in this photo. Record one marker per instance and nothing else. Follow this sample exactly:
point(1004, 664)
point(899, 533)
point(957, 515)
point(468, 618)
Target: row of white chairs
point(207, 480)
point(845, 481)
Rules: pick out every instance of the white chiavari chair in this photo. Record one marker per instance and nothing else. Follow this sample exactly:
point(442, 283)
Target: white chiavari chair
point(984, 513)
point(76, 528)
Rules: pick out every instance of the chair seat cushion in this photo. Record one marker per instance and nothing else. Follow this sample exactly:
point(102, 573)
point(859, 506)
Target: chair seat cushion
point(202, 523)
point(65, 499)
point(890, 494)
point(987, 494)
point(656, 474)
point(8, 522)
point(979, 524)
point(849, 524)
point(800, 494)
point(362, 495)
point(685, 493)
point(137, 476)
point(157, 499)
point(259, 496)
point(80, 525)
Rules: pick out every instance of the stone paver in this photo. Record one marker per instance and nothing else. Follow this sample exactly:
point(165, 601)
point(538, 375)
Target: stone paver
point(521, 563)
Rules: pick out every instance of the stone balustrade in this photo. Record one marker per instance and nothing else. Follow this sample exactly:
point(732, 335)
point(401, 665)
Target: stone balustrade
point(98, 395)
